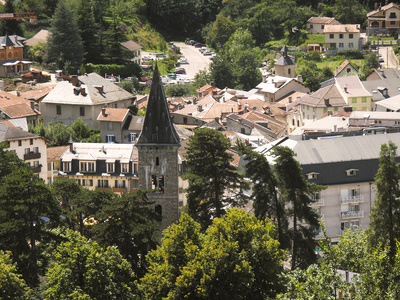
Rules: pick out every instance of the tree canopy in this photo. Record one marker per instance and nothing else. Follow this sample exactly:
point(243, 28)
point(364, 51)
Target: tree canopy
point(214, 182)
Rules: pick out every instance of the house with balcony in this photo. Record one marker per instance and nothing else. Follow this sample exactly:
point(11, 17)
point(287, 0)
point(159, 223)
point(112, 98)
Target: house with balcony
point(342, 37)
point(12, 62)
point(28, 147)
point(53, 162)
point(347, 167)
point(101, 166)
point(316, 25)
point(384, 19)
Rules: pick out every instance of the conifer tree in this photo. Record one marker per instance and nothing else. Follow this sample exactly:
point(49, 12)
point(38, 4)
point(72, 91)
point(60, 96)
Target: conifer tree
point(214, 182)
point(384, 226)
point(297, 194)
point(64, 43)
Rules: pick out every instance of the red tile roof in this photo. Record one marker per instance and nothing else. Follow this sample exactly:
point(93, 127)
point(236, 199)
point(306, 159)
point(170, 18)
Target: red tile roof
point(113, 114)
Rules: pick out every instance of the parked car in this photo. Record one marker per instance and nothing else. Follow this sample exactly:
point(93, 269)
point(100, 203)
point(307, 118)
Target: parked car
point(192, 42)
point(145, 79)
point(381, 60)
point(183, 60)
point(208, 53)
point(199, 45)
point(147, 58)
point(172, 75)
point(161, 55)
point(180, 71)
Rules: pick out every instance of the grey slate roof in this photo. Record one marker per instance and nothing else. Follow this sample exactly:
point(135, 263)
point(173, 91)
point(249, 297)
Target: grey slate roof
point(375, 87)
point(157, 127)
point(13, 133)
point(331, 157)
point(11, 40)
point(317, 99)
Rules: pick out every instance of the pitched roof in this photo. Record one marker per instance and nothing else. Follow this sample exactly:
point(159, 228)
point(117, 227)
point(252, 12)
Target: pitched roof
point(54, 153)
point(157, 127)
point(63, 92)
point(8, 133)
point(131, 45)
point(390, 5)
point(113, 114)
point(354, 86)
point(354, 28)
point(320, 20)
point(15, 106)
point(40, 37)
point(342, 66)
point(36, 94)
point(317, 99)
point(11, 40)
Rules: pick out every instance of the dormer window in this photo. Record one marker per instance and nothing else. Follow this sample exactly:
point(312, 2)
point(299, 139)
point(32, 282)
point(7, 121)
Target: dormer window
point(312, 175)
point(351, 172)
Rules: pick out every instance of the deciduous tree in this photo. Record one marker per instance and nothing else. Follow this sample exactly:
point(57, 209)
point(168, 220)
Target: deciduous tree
point(83, 270)
point(12, 286)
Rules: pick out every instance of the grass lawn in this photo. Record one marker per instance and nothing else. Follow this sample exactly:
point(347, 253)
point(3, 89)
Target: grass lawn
point(315, 39)
point(333, 64)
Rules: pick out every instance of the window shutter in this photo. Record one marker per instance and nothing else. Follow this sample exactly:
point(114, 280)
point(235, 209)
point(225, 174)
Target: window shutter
point(106, 138)
point(130, 137)
point(113, 138)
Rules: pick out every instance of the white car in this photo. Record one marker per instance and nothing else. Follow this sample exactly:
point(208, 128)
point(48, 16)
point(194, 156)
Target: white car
point(146, 58)
point(183, 60)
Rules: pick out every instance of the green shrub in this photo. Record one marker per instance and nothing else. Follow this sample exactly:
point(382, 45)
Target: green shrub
point(355, 54)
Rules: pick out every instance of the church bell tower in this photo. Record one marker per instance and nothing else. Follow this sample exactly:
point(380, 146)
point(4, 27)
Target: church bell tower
point(158, 146)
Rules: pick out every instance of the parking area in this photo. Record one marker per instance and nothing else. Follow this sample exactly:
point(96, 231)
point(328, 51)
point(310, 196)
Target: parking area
point(193, 62)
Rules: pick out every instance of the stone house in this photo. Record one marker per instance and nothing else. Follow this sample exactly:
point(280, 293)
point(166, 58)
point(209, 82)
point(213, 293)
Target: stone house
point(317, 24)
point(83, 98)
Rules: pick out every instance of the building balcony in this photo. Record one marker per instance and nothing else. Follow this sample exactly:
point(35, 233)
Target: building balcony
point(32, 155)
point(352, 214)
point(119, 189)
point(37, 169)
point(353, 199)
point(99, 188)
point(318, 202)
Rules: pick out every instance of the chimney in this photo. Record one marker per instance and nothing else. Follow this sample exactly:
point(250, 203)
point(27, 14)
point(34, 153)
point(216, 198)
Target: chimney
point(194, 100)
point(33, 105)
point(83, 93)
point(345, 88)
point(199, 107)
point(71, 147)
point(99, 89)
point(376, 6)
point(18, 93)
point(326, 101)
point(300, 78)
point(103, 112)
point(74, 80)
point(290, 99)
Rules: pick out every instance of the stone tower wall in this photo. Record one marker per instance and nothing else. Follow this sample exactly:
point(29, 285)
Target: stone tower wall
point(167, 166)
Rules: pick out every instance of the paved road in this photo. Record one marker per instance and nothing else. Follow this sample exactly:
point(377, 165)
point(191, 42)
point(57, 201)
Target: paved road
point(197, 61)
point(387, 54)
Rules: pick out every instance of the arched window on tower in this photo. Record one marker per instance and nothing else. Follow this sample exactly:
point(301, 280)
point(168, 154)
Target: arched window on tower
point(157, 161)
point(158, 209)
point(153, 182)
point(161, 184)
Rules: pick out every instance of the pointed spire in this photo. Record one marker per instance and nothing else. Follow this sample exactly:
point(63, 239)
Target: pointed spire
point(157, 126)
point(284, 50)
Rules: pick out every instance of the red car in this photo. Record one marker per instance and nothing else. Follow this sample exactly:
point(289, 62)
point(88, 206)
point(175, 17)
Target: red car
point(199, 45)
point(180, 71)
point(144, 79)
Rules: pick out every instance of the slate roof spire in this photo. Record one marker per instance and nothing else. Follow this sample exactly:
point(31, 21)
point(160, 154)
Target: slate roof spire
point(158, 127)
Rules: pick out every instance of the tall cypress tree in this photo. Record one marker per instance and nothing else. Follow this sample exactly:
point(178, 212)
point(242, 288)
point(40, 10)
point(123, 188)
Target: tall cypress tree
point(64, 43)
point(385, 216)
